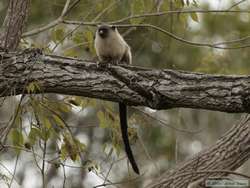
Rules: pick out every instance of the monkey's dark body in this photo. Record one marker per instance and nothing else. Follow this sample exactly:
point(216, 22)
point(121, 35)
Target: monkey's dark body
point(111, 47)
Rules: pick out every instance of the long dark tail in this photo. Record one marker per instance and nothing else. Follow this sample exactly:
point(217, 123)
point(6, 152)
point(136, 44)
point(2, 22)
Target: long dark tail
point(124, 130)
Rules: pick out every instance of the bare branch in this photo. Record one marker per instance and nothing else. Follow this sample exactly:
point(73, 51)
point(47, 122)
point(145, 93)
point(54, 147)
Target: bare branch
point(219, 45)
point(156, 14)
point(236, 4)
point(93, 23)
point(54, 23)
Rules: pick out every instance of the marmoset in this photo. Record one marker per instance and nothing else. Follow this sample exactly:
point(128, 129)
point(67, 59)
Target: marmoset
point(111, 47)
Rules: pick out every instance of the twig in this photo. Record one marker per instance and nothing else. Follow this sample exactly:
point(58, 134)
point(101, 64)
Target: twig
point(116, 183)
point(155, 14)
point(43, 164)
point(166, 124)
point(236, 4)
point(108, 8)
point(64, 176)
point(60, 18)
point(52, 24)
point(147, 153)
point(191, 43)
point(13, 175)
point(106, 177)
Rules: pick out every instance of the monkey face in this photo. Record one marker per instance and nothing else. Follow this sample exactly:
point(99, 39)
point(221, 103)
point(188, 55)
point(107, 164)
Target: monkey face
point(104, 30)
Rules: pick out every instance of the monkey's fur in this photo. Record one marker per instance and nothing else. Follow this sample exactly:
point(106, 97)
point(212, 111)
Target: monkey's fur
point(111, 47)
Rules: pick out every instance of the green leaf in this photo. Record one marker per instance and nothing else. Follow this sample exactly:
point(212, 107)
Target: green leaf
point(33, 87)
point(194, 17)
point(104, 121)
point(46, 122)
point(70, 147)
point(33, 135)
point(179, 3)
point(70, 53)
point(46, 133)
point(64, 152)
point(58, 34)
point(59, 122)
point(81, 146)
point(17, 138)
point(195, 4)
point(77, 101)
point(63, 107)
point(78, 37)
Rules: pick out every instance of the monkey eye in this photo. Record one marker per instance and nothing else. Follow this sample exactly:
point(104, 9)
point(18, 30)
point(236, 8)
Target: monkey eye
point(113, 27)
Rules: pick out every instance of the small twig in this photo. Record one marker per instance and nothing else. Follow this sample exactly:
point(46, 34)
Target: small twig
point(191, 43)
point(117, 183)
point(147, 153)
point(13, 175)
point(43, 164)
point(156, 14)
point(236, 4)
point(52, 24)
point(109, 170)
point(166, 124)
point(108, 8)
point(34, 156)
point(64, 176)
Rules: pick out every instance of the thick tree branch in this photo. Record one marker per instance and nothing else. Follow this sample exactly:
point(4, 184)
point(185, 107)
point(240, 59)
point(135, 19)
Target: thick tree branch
point(228, 154)
point(13, 25)
point(158, 89)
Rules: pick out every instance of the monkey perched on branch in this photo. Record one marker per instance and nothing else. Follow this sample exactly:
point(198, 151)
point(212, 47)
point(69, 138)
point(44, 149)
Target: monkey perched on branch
point(111, 47)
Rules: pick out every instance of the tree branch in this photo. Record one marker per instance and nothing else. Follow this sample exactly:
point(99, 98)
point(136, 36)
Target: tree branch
point(217, 45)
point(225, 156)
point(158, 89)
point(66, 9)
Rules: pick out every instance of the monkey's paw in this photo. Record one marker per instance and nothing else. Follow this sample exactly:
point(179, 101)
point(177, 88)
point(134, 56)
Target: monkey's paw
point(103, 64)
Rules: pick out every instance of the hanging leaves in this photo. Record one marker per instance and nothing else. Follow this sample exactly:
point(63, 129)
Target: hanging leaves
point(17, 139)
point(194, 17)
point(71, 147)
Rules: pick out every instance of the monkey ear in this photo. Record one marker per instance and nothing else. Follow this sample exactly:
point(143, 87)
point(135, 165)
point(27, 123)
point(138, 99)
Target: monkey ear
point(113, 27)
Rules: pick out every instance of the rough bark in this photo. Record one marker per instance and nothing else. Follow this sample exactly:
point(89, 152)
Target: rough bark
point(158, 89)
point(13, 24)
point(229, 153)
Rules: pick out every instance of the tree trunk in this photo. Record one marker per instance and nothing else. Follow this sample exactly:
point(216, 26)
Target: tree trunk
point(13, 24)
point(228, 154)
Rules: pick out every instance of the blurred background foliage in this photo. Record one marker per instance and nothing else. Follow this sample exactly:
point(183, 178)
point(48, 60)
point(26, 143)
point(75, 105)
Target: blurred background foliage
point(81, 136)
